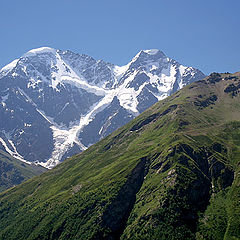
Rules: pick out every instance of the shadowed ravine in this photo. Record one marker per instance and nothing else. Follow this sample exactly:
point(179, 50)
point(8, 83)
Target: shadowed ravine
point(116, 215)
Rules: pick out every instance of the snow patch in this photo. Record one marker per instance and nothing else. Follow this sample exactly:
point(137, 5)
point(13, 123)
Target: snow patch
point(5, 70)
point(4, 99)
point(28, 99)
point(48, 119)
point(128, 96)
point(64, 138)
point(41, 50)
point(120, 71)
point(14, 74)
point(79, 83)
point(14, 153)
point(182, 70)
point(151, 51)
point(107, 124)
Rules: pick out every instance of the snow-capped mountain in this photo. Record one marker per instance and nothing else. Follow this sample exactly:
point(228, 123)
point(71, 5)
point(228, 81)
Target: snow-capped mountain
point(56, 103)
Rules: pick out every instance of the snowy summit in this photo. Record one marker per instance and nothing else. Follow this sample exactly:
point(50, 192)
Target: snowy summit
point(89, 99)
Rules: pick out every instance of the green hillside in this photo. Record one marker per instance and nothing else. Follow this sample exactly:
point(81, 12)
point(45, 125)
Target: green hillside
point(14, 172)
point(171, 173)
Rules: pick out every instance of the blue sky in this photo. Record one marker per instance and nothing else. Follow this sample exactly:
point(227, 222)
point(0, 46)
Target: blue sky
point(203, 34)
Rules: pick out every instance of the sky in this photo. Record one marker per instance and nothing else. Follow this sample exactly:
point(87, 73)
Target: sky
point(204, 34)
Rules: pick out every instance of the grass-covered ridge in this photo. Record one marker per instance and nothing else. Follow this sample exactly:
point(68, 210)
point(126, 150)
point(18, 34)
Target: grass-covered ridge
point(14, 172)
point(164, 175)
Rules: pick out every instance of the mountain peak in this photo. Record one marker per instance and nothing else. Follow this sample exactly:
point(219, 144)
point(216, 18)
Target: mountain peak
point(6, 69)
point(149, 54)
point(152, 51)
point(89, 98)
point(40, 50)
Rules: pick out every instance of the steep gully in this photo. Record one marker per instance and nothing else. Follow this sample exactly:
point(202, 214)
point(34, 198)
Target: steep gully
point(197, 194)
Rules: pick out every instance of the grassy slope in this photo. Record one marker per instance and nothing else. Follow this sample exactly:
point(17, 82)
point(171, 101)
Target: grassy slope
point(151, 179)
point(14, 172)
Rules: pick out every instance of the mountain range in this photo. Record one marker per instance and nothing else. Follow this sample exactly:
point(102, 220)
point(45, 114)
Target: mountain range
point(54, 104)
point(171, 173)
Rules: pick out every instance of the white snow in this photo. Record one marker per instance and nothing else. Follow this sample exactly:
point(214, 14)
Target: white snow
point(64, 107)
point(13, 152)
point(4, 99)
point(21, 132)
point(48, 119)
point(119, 71)
point(14, 74)
point(36, 51)
point(76, 81)
point(33, 83)
point(66, 73)
point(107, 123)
point(62, 71)
point(151, 51)
point(168, 77)
point(128, 96)
point(28, 99)
point(182, 70)
point(153, 67)
point(5, 70)
point(65, 138)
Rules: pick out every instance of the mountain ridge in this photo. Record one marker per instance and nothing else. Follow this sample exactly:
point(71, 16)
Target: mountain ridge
point(14, 172)
point(78, 100)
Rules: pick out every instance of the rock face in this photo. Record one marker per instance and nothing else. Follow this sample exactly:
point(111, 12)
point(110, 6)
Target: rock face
point(56, 103)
